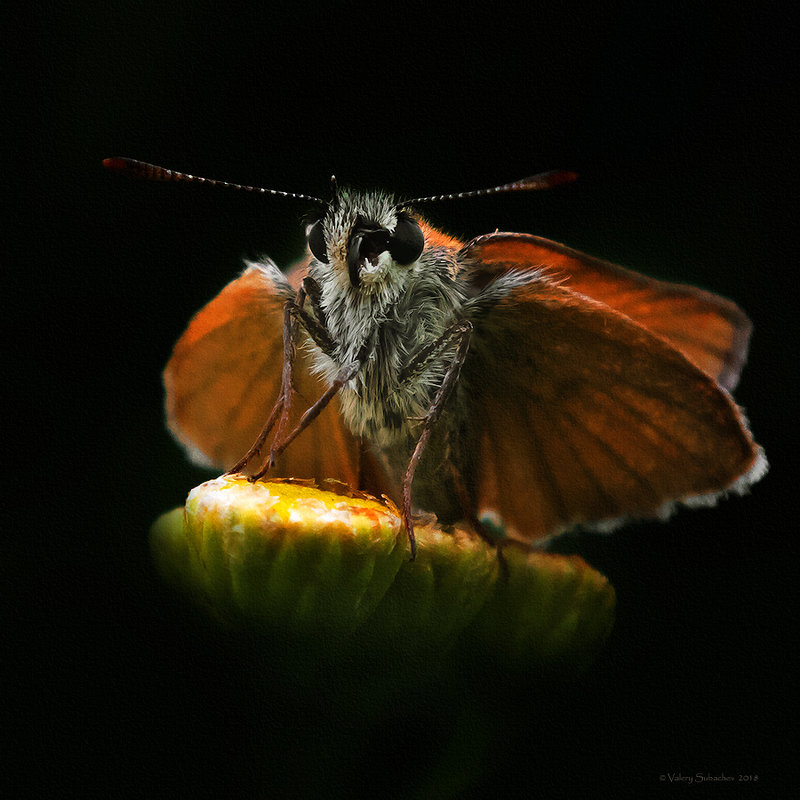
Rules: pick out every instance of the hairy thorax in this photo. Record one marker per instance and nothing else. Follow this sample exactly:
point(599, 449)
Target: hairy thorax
point(390, 324)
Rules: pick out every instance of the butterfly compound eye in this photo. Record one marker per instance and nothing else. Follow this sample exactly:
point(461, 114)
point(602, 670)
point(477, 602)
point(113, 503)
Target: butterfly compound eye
point(316, 242)
point(407, 241)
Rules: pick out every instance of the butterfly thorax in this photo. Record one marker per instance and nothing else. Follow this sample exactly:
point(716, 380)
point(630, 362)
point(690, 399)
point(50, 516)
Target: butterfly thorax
point(389, 322)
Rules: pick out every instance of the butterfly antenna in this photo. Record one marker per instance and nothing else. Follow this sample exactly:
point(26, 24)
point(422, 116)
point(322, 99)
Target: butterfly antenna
point(545, 180)
point(151, 172)
point(334, 192)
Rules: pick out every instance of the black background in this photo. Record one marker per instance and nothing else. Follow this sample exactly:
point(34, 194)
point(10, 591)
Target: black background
point(678, 120)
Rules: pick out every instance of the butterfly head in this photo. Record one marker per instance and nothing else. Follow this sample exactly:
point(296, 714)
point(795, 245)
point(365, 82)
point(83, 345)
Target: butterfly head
point(366, 239)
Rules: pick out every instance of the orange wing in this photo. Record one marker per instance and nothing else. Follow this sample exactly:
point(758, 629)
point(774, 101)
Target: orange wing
point(224, 377)
point(711, 331)
point(580, 415)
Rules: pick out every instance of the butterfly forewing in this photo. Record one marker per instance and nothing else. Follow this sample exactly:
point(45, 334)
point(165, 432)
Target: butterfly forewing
point(710, 330)
point(225, 374)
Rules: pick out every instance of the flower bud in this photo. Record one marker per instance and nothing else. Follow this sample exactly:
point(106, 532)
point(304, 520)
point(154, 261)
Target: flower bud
point(319, 572)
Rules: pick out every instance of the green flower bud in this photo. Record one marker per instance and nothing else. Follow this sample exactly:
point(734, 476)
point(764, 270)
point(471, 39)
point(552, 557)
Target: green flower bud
point(317, 570)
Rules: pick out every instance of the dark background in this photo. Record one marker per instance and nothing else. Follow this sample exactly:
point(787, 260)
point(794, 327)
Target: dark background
point(678, 121)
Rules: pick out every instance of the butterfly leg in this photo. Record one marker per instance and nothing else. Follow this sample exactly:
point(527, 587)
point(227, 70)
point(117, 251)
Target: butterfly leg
point(290, 324)
point(294, 315)
point(344, 375)
point(255, 449)
point(459, 332)
point(314, 326)
point(283, 403)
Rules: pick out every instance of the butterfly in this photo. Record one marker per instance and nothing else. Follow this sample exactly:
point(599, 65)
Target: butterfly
point(506, 374)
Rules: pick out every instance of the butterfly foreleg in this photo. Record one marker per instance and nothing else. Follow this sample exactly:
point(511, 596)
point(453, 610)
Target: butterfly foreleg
point(282, 405)
point(294, 315)
point(344, 375)
point(314, 325)
point(459, 334)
